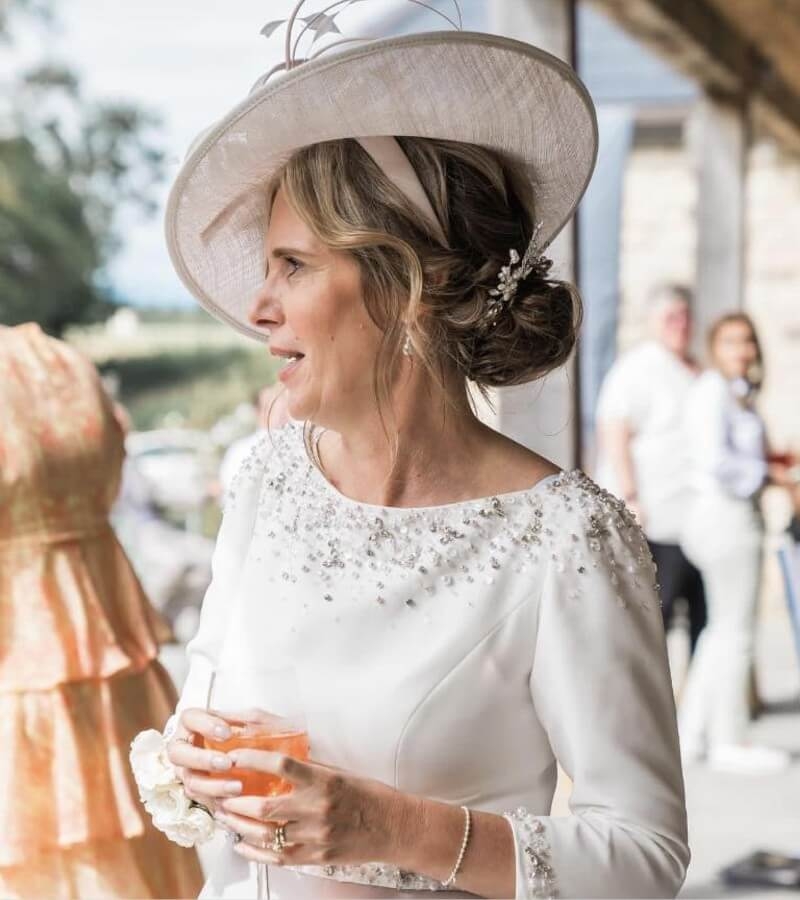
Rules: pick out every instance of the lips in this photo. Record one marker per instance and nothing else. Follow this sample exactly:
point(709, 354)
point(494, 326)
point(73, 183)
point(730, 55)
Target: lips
point(292, 359)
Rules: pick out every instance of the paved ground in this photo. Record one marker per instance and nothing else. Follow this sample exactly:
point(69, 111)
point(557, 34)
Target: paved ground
point(730, 816)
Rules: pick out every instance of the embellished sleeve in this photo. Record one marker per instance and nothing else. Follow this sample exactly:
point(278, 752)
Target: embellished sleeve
point(601, 687)
point(230, 552)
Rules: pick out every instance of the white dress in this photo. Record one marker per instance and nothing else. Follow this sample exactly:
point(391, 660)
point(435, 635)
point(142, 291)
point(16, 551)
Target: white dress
point(457, 652)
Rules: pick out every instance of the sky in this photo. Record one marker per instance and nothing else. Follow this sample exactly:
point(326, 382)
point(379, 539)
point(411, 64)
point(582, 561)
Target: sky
point(188, 60)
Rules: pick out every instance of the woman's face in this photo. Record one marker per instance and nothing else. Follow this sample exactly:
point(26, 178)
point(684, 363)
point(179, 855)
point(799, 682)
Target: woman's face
point(734, 350)
point(311, 304)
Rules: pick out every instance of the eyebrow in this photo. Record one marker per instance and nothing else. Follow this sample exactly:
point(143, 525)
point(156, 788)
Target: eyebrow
point(279, 252)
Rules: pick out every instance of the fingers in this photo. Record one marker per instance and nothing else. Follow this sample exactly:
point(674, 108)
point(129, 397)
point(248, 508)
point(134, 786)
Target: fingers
point(256, 833)
point(275, 763)
point(185, 755)
point(206, 723)
point(262, 834)
point(263, 809)
point(263, 855)
point(199, 785)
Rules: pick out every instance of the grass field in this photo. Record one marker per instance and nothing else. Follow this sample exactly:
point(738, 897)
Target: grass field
point(185, 369)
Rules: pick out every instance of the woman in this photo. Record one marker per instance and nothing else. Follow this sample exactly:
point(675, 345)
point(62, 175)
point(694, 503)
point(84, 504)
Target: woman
point(460, 613)
point(78, 644)
point(723, 537)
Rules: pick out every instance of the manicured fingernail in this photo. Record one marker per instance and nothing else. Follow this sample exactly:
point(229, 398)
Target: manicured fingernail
point(222, 731)
point(220, 762)
point(233, 787)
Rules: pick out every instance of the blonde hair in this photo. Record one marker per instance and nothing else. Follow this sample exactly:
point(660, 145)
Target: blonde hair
point(437, 295)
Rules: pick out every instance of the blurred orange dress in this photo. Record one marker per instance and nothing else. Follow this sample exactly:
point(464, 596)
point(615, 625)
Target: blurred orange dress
point(78, 643)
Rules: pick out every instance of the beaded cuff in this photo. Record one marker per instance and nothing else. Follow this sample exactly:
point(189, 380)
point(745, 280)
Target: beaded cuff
point(530, 834)
point(376, 874)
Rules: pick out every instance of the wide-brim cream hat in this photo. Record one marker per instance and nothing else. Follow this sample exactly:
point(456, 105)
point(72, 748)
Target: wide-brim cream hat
point(478, 88)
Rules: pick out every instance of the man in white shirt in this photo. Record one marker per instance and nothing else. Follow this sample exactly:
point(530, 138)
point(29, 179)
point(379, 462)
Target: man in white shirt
point(642, 445)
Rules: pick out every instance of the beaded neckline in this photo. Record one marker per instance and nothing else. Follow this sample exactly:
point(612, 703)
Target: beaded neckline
point(507, 496)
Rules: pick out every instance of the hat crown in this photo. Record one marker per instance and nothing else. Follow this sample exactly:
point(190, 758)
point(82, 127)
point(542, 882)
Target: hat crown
point(527, 105)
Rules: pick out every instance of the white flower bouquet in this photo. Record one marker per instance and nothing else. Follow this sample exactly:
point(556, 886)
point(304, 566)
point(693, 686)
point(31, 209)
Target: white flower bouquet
point(182, 820)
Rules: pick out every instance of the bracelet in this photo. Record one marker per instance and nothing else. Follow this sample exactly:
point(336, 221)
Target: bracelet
point(457, 867)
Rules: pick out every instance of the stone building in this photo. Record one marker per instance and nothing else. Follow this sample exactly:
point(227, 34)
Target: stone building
point(698, 180)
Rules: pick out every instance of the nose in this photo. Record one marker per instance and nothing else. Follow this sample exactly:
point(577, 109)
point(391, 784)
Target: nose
point(265, 310)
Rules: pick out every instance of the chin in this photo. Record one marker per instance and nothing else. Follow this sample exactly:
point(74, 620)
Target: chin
point(296, 408)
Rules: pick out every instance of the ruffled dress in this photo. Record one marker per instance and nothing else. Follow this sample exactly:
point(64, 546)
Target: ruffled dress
point(79, 676)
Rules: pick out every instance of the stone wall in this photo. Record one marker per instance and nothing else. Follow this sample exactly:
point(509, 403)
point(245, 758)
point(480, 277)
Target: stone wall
point(772, 292)
point(659, 237)
point(659, 240)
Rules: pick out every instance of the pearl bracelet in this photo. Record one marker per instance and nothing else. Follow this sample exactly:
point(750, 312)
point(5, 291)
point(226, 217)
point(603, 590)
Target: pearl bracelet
point(457, 867)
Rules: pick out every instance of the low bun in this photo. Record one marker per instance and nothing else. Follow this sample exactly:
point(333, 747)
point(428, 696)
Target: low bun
point(532, 334)
point(488, 206)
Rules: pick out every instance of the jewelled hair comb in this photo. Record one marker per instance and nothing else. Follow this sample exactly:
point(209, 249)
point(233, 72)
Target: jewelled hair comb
point(510, 276)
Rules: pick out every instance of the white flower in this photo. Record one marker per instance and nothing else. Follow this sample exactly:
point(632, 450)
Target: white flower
point(168, 805)
point(198, 827)
point(163, 794)
point(151, 767)
point(174, 814)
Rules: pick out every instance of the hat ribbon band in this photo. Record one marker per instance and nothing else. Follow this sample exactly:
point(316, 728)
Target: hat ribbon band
point(396, 166)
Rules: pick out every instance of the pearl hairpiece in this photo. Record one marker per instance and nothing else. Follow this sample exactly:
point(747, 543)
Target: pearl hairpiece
point(510, 275)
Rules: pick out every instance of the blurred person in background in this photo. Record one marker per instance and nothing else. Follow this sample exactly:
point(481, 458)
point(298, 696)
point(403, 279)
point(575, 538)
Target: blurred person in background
point(723, 536)
point(78, 644)
point(641, 444)
point(272, 414)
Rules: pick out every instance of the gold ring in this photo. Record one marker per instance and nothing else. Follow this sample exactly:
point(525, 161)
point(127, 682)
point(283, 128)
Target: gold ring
point(279, 841)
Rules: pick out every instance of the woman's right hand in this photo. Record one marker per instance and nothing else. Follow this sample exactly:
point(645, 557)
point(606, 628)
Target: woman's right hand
point(194, 763)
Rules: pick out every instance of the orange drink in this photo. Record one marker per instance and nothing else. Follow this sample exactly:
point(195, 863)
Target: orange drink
point(260, 736)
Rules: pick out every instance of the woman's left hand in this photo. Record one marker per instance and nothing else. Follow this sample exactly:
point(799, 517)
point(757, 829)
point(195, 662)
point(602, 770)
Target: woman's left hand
point(330, 817)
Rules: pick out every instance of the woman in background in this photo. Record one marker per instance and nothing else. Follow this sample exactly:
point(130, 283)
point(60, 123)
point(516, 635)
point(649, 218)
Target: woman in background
point(723, 537)
point(78, 644)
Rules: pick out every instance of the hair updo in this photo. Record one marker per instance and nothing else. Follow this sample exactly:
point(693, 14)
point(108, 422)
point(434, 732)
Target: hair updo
point(486, 208)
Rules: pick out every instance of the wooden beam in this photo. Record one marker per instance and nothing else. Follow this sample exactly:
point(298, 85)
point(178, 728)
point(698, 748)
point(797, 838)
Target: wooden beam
point(700, 42)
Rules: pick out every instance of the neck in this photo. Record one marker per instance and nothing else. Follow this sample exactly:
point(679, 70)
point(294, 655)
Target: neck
point(436, 446)
point(684, 354)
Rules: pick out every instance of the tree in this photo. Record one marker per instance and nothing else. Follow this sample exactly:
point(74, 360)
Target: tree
point(48, 253)
point(107, 151)
point(40, 9)
point(68, 170)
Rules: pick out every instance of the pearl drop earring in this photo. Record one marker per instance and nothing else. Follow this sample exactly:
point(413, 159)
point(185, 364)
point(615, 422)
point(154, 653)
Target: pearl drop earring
point(408, 347)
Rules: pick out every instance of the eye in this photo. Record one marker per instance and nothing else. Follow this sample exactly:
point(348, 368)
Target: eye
point(295, 264)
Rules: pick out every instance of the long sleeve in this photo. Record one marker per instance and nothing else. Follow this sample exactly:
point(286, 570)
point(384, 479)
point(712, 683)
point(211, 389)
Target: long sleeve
point(601, 687)
point(738, 466)
point(233, 542)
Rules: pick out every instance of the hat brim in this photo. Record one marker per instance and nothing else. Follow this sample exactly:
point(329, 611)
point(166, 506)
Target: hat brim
point(482, 89)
